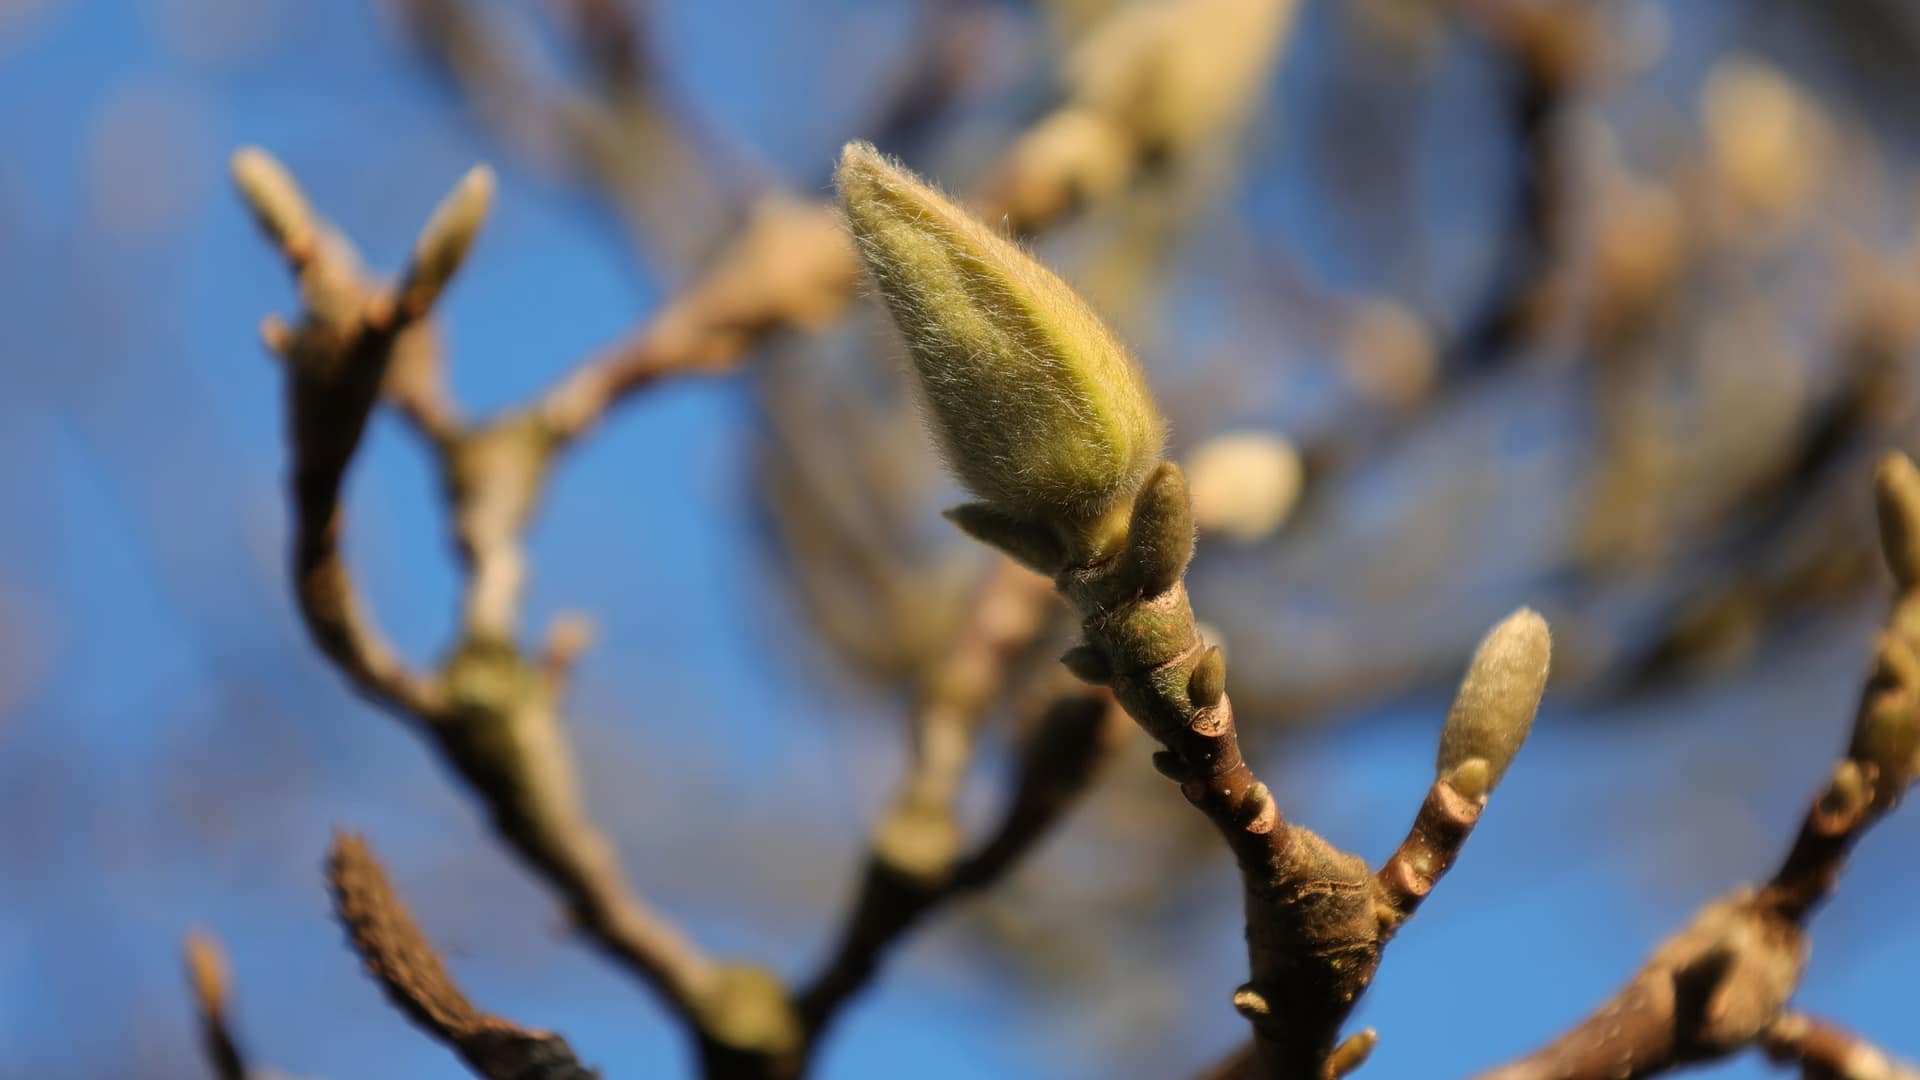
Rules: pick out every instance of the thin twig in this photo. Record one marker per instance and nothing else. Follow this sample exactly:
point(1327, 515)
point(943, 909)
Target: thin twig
point(894, 894)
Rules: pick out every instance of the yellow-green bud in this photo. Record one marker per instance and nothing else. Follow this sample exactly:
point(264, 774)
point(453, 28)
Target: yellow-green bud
point(1038, 407)
point(1493, 711)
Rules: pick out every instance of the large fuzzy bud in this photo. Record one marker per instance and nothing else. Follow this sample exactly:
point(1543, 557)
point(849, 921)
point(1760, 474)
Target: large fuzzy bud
point(1038, 407)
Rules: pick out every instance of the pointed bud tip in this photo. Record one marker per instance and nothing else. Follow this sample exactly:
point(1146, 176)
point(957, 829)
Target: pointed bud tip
point(271, 193)
point(445, 239)
point(859, 157)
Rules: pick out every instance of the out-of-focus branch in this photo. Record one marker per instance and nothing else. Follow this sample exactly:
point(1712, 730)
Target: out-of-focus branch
point(1165, 77)
point(397, 955)
point(1825, 1051)
point(493, 708)
point(1722, 984)
point(207, 977)
point(915, 861)
point(335, 359)
point(621, 131)
point(916, 866)
point(490, 709)
point(1552, 49)
point(1150, 84)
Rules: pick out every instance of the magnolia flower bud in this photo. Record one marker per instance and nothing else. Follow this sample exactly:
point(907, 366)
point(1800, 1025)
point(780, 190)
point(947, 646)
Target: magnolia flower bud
point(1493, 711)
point(1038, 407)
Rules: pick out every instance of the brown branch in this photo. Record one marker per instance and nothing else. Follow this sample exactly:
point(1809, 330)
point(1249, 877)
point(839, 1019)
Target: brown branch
point(1721, 984)
point(1444, 822)
point(915, 863)
point(1313, 941)
point(1824, 1051)
point(397, 955)
point(492, 711)
point(207, 976)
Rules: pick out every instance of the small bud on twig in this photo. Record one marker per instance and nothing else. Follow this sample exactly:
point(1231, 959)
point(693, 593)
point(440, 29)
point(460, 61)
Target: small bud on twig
point(444, 240)
point(1494, 709)
point(1208, 683)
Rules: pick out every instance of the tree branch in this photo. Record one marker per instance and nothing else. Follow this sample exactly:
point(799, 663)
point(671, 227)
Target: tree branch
point(896, 892)
point(1825, 1051)
point(397, 955)
point(1723, 983)
point(490, 710)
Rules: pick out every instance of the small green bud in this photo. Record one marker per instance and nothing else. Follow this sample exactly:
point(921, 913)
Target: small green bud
point(1472, 778)
point(1032, 546)
point(1896, 489)
point(1249, 1001)
point(1208, 683)
point(1160, 537)
point(1353, 1053)
point(1038, 407)
point(1494, 708)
